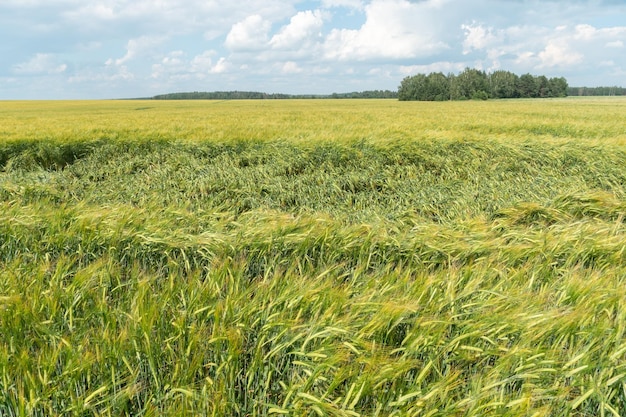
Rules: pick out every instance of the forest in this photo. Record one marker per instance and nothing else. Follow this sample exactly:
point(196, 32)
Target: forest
point(596, 91)
point(479, 85)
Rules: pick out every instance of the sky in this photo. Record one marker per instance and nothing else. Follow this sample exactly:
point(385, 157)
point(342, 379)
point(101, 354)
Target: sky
point(99, 49)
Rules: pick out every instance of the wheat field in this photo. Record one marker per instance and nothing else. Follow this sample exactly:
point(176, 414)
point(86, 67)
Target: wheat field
point(313, 258)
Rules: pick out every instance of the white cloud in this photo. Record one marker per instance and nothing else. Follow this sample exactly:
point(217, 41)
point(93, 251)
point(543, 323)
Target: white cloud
point(110, 73)
point(444, 67)
point(213, 18)
point(117, 73)
point(611, 35)
point(138, 47)
point(40, 64)
point(477, 37)
point(394, 29)
point(291, 67)
point(276, 44)
point(304, 27)
point(202, 63)
point(351, 4)
point(525, 59)
point(221, 66)
point(92, 11)
point(569, 47)
point(558, 53)
point(585, 32)
point(175, 65)
point(536, 48)
point(248, 35)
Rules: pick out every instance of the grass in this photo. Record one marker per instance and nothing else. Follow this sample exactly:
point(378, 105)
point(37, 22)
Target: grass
point(338, 258)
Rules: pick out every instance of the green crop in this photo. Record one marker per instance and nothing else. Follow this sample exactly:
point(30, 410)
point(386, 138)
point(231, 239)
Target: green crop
point(341, 258)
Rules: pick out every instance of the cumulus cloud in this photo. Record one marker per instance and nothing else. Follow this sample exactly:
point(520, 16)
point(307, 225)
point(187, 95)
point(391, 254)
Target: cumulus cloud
point(138, 47)
point(304, 27)
point(177, 66)
point(477, 37)
point(102, 75)
point(172, 44)
point(291, 67)
point(221, 66)
point(351, 4)
point(587, 32)
point(212, 18)
point(558, 53)
point(202, 63)
point(172, 63)
point(393, 29)
point(90, 12)
point(579, 45)
point(534, 48)
point(443, 66)
point(248, 35)
point(40, 64)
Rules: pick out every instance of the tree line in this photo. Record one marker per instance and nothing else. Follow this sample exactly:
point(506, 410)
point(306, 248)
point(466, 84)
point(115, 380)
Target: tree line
point(476, 84)
point(470, 84)
point(255, 95)
point(596, 91)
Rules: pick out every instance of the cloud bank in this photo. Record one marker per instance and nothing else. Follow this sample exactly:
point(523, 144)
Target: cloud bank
point(138, 48)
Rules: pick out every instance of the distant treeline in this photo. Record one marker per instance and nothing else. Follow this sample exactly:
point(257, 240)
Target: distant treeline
point(476, 84)
point(470, 84)
point(367, 94)
point(255, 95)
point(596, 91)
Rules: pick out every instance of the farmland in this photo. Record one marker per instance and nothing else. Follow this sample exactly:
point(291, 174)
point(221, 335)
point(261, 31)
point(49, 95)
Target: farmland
point(313, 257)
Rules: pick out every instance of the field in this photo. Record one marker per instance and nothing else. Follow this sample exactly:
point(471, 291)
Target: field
point(313, 258)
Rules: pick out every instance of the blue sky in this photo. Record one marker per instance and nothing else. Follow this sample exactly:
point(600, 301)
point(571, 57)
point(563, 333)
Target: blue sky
point(90, 49)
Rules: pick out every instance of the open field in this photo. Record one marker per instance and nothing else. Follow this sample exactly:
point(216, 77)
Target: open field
point(341, 258)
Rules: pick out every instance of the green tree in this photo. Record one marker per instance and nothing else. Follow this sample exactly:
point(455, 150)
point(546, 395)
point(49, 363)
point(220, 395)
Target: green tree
point(527, 86)
point(558, 87)
point(455, 87)
point(472, 83)
point(438, 87)
point(503, 84)
point(423, 87)
point(412, 87)
point(476, 84)
point(542, 86)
